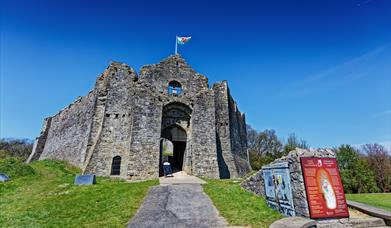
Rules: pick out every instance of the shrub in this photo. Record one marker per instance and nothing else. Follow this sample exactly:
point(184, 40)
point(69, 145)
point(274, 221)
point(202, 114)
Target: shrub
point(15, 168)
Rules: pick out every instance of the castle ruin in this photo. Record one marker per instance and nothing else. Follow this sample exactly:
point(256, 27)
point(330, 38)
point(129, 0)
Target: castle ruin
point(118, 128)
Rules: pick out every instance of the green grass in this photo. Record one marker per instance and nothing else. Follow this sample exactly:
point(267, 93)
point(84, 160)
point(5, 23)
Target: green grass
point(238, 206)
point(48, 198)
point(381, 200)
point(15, 168)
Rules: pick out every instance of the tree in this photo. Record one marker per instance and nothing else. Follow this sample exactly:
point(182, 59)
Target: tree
point(293, 142)
point(380, 162)
point(264, 147)
point(252, 135)
point(268, 144)
point(356, 175)
point(20, 148)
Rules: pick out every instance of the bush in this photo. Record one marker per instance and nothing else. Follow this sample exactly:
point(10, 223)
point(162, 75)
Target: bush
point(15, 168)
point(257, 161)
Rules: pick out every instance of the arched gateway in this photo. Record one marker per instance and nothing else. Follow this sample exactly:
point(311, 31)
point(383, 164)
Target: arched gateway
point(175, 126)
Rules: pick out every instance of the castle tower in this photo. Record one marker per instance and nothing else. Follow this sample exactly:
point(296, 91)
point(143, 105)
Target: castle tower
point(117, 129)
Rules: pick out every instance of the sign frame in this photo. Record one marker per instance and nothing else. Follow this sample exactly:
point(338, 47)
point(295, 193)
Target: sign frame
point(278, 189)
point(335, 186)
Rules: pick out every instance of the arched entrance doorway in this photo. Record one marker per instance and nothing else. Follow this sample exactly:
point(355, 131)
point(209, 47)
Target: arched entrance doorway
point(177, 136)
point(175, 125)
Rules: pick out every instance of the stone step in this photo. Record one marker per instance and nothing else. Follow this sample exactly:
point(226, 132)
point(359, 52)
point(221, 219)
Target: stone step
point(351, 223)
point(366, 222)
point(293, 222)
point(370, 210)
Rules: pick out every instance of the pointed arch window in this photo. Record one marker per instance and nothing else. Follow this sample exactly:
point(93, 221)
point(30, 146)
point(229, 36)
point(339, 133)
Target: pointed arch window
point(116, 166)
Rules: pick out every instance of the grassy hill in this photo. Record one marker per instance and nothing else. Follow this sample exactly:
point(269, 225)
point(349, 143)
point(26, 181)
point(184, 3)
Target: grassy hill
point(43, 195)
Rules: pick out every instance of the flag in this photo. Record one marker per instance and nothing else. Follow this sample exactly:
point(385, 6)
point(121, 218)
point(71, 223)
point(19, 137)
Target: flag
point(182, 40)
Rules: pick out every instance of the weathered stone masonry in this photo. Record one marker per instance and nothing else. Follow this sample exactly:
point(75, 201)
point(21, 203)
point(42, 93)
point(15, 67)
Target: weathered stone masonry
point(126, 115)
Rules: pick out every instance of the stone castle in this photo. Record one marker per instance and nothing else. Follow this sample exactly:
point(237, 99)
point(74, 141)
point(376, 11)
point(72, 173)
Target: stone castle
point(118, 128)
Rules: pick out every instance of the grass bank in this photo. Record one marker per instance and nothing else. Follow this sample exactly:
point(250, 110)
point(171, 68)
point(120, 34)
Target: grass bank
point(46, 197)
point(238, 206)
point(381, 200)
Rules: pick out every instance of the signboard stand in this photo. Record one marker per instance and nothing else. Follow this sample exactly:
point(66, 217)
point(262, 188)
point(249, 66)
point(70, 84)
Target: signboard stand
point(323, 186)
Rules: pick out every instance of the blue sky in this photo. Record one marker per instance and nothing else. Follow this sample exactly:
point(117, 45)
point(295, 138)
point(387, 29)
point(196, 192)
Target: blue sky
point(320, 69)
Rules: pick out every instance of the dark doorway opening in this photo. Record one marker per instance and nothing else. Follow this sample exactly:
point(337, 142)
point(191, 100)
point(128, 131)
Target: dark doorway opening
point(175, 124)
point(176, 161)
point(116, 166)
point(177, 136)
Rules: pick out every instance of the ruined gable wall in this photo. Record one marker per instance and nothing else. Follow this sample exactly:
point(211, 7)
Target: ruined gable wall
point(238, 137)
point(115, 130)
point(157, 76)
point(69, 130)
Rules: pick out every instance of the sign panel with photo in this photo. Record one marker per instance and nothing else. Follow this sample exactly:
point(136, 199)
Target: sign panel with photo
point(325, 195)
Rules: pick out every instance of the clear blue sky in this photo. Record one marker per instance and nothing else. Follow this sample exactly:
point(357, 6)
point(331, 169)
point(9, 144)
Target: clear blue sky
point(321, 69)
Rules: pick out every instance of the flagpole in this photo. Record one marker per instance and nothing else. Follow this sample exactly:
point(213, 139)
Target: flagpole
point(176, 45)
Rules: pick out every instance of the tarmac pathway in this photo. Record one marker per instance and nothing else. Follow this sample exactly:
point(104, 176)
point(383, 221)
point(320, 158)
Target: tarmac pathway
point(182, 204)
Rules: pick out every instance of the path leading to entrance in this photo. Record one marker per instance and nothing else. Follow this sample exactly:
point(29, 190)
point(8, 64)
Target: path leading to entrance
point(178, 202)
point(180, 178)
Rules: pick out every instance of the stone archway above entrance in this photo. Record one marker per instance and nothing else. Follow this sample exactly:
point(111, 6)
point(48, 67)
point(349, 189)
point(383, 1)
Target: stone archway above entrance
point(175, 127)
point(176, 113)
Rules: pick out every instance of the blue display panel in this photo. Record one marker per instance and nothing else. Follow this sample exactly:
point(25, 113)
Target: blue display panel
point(278, 188)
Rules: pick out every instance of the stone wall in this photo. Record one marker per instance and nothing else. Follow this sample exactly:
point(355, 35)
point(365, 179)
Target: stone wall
point(255, 184)
point(115, 122)
point(69, 130)
point(203, 136)
point(145, 138)
point(296, 175)
point(173, 68)
point(231, 134)
point(238, 136)
point(40, 141)
point(226, 161)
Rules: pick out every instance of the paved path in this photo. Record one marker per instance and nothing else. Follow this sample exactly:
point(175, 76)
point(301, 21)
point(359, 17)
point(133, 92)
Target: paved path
point(183, 205)
point(180, 178)
point(177, 205)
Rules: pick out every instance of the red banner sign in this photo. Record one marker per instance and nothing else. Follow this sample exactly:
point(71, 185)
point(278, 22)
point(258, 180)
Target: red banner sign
point(325, 195)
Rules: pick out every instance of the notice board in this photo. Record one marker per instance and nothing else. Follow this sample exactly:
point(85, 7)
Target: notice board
point(278, 189)
point(325, 195)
